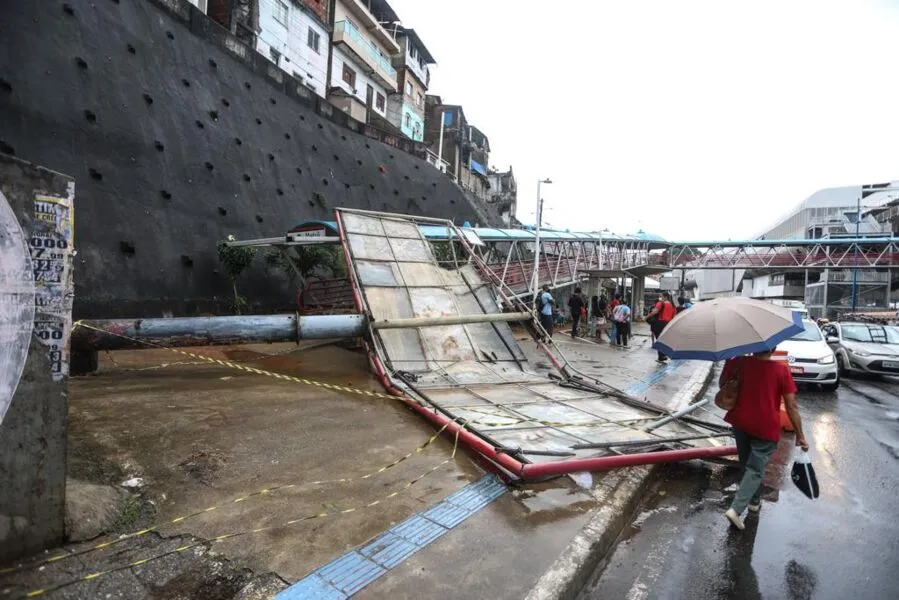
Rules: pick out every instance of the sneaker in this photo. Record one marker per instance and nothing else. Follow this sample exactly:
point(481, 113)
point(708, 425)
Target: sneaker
point(661, 360)
point(734, 518)
point(754, 508)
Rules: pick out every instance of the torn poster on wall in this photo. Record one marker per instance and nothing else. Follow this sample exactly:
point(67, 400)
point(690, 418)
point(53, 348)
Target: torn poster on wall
point(16, 303)
point(52, 257)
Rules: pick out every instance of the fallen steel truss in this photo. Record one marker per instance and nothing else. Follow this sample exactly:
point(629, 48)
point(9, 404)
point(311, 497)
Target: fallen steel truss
point(454, 358)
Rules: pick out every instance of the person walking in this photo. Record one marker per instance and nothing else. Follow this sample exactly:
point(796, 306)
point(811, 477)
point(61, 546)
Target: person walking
point(545, 303)
point(576, 308)
point(621, 317)
point(756, 423)
point(659, 318)
point(616, 300)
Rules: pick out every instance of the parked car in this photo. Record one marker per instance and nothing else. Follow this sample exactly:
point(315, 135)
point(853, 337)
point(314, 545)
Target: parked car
point(864, 347)
point(811, 359)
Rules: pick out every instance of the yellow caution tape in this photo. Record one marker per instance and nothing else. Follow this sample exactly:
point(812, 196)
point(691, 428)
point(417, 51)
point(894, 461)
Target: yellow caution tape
point(310, 517)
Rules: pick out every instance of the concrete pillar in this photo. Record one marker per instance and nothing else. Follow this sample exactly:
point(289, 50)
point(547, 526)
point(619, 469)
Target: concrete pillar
point(35, 321)
point(638, 287)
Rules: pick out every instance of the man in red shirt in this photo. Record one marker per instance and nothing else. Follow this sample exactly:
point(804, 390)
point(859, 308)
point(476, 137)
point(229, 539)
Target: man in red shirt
point(659, 317)
point(756, 423)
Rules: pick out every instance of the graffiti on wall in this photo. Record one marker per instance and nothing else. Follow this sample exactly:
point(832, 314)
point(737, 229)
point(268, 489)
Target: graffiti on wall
point(52, 256)
point(16, 303)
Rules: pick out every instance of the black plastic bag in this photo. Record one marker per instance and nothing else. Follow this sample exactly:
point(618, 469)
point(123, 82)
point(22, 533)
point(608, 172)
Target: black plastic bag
point(803, 474)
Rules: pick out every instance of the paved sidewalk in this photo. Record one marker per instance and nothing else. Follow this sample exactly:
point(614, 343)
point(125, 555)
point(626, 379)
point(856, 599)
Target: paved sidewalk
point(202, 435)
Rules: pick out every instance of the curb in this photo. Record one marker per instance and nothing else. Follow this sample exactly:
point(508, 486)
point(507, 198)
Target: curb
point(619, 495)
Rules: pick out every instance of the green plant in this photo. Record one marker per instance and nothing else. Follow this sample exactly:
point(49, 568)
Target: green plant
point(306, 260)
point(235, 259)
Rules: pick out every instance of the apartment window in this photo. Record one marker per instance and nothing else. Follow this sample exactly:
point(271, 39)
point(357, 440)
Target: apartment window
point(281, 12)
point(421, 99)
point(409, 88)
point(380, 101)
point(408, 120)
point(349, 75)
point(276, 56)
point(413, 52)
point(314, 39)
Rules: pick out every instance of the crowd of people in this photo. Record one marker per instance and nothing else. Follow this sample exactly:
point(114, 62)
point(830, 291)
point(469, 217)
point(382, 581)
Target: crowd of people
point(603, 318)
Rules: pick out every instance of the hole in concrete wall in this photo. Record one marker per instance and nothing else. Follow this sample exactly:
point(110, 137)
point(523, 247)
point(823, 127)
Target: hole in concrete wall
point(396, 192)
point(247, 85)
point(213, 64)
point(225, 102)
point(272, 100)
point(424, 197)
point(148, 99)
point(259, 218)
point(371, 186)
point(82, 64)
point(359, 162)
point(246, 177)
point(127, 248)
point(336, 157)
point(406, 177)
point(115, 1)
point(302, 118)
point(314, 148)
point(165, 194)
point(299, 171)
point(434, 184)
point(416, 167)
point(343, 137)
point(131, 49)
point(68, 10)
point(222, 211)
point(209, 166)
point(7, 149)
point(452, 201)
point(346, 185)
point(90, 116)
point(238, 141)
point(320, 198)
point(170, 35)
point(158, 145)
point(187, 261)
point(279, 191)
point(368, 145)
point(258, 121)
point(94, 173)
point(286, 136)
point(391, 157)
point(200, 124)
point(320, 126)
point(5, 86)
point(324, 182)
point(214, 115)
point(311, 203)
point(270, 156)
point(185, 83)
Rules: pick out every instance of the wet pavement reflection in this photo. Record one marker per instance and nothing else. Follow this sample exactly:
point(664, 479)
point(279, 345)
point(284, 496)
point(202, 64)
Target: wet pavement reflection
point(843, 545)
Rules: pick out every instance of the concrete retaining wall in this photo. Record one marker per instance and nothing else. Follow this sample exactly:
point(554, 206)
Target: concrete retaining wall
point(179, 135)
point(33, 430)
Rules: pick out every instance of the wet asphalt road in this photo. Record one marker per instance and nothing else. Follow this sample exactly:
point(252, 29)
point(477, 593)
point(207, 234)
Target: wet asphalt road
point(843, 545)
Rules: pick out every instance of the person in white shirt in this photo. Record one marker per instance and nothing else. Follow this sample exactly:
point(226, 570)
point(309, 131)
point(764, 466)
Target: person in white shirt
point(622, 317)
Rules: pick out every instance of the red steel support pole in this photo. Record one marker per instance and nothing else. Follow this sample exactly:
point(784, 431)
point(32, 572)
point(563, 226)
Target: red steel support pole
point(601, 463)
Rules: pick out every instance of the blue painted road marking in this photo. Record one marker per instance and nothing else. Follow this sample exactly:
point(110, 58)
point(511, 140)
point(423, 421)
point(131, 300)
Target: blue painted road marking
point(343, 577)
point(641, 386)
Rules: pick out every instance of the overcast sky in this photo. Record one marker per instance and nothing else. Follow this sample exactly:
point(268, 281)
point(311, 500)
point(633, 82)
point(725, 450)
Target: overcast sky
point(692, 119)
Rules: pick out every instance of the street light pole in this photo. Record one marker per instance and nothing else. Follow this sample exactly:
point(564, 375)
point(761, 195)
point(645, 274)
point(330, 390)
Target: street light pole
point(535, 279)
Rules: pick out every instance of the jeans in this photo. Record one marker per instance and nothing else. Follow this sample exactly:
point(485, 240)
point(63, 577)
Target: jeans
point(754, 454)
point(575, 321)
point(657, 328)
point(613, 331)
point(622, 330)
point(547, 321)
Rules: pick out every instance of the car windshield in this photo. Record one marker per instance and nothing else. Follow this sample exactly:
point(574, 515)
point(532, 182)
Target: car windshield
point(811, 333)
point(876, 334)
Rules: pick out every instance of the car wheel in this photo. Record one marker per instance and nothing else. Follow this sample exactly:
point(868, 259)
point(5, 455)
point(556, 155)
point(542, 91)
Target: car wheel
point(830, 387)
point(841, 366)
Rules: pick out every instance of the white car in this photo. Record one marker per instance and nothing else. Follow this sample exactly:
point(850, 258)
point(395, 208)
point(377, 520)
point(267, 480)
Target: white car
point(811, 359)
point(864, 347)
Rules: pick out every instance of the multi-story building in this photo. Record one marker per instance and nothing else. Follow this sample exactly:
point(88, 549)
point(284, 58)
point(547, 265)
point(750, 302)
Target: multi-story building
point(294, 35)
point(406, 108)
point(504, 193)
point(464, 147)
point(362, 75)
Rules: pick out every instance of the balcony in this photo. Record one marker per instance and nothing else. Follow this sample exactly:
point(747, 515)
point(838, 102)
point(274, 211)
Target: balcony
point(379, 65)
